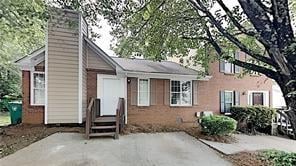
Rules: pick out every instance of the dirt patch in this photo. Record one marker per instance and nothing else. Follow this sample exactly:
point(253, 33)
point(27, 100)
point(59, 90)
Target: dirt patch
point(247, 159)
point(13, 138)
point(193, 131)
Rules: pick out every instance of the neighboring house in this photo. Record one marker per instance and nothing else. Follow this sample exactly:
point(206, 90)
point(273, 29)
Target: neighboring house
point(59, 79)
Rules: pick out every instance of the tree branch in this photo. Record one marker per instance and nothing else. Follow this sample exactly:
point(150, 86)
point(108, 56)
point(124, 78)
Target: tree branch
point(264, 7)
point(268, 72)
point(146, 22)
point(282, 22)
point(239, 26)
point(266, 28)
point(234, 20)
point(259, 18)
point(250, 66)
point(200, 7)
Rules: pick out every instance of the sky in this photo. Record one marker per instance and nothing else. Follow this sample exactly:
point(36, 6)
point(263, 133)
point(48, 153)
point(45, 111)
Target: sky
point(104, 41)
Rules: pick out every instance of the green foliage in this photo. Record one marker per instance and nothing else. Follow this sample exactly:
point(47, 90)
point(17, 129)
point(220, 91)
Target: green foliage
point(21, 31)
point(280, 158)
point(253, 118)
point(3, 104)
point(218, 125)
point(22, 24)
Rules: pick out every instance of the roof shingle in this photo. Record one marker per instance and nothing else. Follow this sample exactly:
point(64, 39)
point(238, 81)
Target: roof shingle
point(149, 66)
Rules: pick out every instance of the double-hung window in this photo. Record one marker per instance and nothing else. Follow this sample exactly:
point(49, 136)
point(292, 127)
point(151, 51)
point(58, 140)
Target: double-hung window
point(143, 92)
point(37, 88)
point(181, 93)
point(228, 67)
point(228, 99)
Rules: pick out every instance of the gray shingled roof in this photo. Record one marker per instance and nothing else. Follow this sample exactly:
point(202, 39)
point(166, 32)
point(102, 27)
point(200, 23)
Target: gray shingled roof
point(149, 66)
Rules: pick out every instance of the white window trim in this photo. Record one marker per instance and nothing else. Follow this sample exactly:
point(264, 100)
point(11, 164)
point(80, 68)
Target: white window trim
point(181, 105)
point(233, 102)
point(148, 103)
point(231, 67)
point(32, 88)
point(265, 97)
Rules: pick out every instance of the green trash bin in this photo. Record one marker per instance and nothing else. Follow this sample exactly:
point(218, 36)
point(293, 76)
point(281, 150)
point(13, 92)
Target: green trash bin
point(15, 110)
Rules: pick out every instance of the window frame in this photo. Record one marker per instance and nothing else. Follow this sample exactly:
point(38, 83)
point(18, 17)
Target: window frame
point(266, 97)
point(32, 94)
point(148, 102)
point(191, 94)
point(232, 100)
point(231, 67)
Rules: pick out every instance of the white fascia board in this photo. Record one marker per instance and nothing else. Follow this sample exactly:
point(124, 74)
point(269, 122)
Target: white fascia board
point(103, 55)
point(32, 60)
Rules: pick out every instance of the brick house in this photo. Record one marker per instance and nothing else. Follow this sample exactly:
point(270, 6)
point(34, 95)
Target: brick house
point(59, 79)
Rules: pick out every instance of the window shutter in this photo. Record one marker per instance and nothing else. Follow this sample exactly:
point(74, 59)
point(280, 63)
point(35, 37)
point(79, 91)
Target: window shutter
point(222, 66)
point(166, 95)
point(134, 91)
point(236, 98)
point(195, 90)
point(222, 102)
point(153, 95)
point(237, 68)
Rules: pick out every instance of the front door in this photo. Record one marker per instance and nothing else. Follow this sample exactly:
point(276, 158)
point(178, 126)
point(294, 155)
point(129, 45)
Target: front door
point(111, 88)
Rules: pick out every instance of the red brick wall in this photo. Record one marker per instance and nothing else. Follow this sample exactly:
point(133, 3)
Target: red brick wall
point(208, 98)
point(30, 114)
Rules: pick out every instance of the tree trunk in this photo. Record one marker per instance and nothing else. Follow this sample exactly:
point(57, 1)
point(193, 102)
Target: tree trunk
point(292, 118)
point(291, 104)
point(290, 100)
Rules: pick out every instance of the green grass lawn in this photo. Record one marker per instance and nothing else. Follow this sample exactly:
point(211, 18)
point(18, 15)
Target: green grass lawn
point(4, 118)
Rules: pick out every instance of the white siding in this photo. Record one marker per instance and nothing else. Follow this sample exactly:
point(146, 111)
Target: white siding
point(84, 79)
point(94, 61)
point(62, 66)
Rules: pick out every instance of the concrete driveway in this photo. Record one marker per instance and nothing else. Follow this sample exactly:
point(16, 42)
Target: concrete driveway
point(161, 149)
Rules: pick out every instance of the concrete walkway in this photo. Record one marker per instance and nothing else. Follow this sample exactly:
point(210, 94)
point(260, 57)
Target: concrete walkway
point(161, 149)
point(254, 143)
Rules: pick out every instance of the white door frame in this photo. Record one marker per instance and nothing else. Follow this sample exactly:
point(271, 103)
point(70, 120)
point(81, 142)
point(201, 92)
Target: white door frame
point(100, 89)
point(265, 97)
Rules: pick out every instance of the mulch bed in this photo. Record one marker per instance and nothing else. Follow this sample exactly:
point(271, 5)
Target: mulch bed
point(247, 159)
point(13, 138)
point(193, 131)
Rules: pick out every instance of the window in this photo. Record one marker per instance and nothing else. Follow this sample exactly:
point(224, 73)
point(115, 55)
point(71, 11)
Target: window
point(227, 67)
point(228, 99)
point(37, 88)
point(143, 92)
point(258, 98)
point(181, 94)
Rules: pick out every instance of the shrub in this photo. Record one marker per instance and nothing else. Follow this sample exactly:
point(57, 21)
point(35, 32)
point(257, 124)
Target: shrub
point(218, 125)
point(253, 118)
point(280, 158)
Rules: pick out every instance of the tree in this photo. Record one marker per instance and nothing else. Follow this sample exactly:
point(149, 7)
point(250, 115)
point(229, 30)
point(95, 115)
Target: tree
point(260, 28)
point(21, 32)
point(160, 28)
